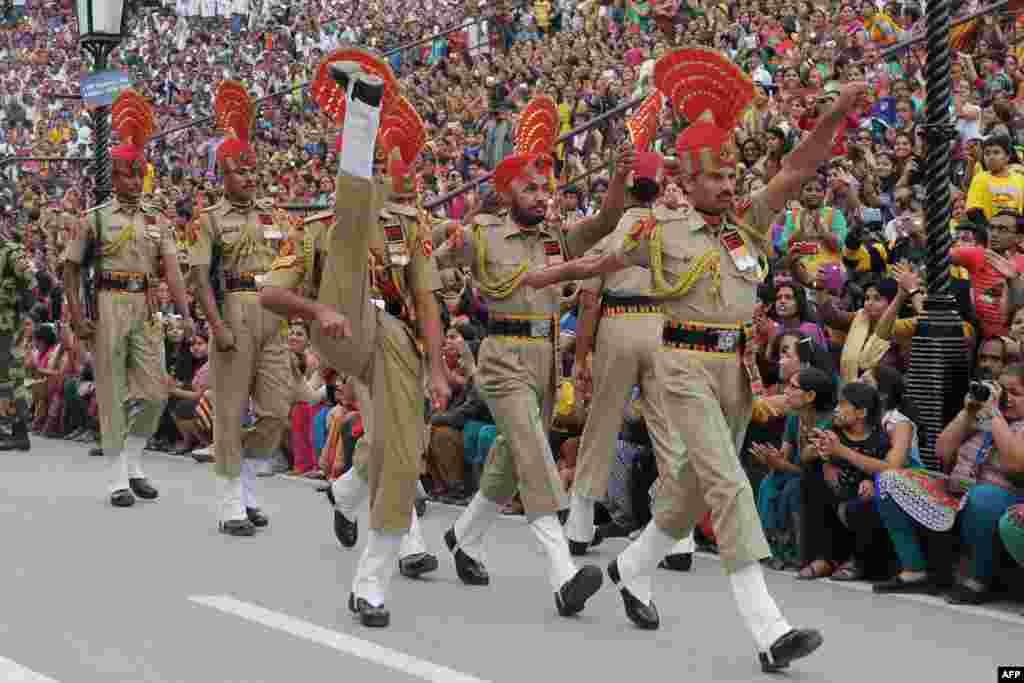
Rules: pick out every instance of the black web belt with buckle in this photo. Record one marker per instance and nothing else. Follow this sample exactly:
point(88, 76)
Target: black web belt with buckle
point(541, 328)
point(241, 282)
point(612, 305)
point(120, 281)
point(705, 338)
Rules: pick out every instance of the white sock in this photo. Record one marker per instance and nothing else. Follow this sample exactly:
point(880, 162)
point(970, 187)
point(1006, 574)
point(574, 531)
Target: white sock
point(350, 492)
point(472, 526)
point(684, 546)
point(757, 607)
point(412, 540)
point(133, 447)
point(249, 469)
point(638, 561)
point(230, 494)
point(580, 525)
point(118, 471)
point(549, 532)
point(376, 567)
point(360, 134)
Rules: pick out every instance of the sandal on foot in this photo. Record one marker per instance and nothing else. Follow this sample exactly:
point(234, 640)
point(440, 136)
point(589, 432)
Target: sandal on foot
point(849, 571)
point(819, 569)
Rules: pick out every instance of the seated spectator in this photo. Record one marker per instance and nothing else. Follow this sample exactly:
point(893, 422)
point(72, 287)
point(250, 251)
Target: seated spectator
point(789, 313)
point(306, 374)
point(982, 449)
point(179, 364)
point(863, 348)
point(193, 409)
point(43, 367)
point(445, 457)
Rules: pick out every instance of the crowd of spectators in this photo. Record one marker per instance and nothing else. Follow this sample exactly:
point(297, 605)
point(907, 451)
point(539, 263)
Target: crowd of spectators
point(833, 450)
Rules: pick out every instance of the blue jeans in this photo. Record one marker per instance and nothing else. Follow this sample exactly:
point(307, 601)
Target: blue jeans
point(979, 521)
point(477, 438)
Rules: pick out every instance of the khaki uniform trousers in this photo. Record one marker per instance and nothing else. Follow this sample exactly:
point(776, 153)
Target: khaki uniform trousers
point(260, 368)
point(382, 354)
point(516, 378)
point(707, 399)
point(625, 351)
point(128, 355)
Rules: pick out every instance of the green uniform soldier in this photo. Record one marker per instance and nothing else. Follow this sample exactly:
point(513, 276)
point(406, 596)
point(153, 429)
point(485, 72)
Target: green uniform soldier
point(382, 348)
point(133, 242)
point(706, 268)
point(16, 277)
point(249, 355)
point(516, 371)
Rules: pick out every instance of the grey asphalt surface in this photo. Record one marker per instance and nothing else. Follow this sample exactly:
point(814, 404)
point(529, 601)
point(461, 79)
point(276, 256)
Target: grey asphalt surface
point(89, 593)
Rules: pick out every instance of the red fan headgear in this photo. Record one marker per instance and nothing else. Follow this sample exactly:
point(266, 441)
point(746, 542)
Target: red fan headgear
point(132, 118)
point(235, 114)
point(712, 93)
point(329, 95)
point(399, 140)
point(642, 127)
point(535, 136)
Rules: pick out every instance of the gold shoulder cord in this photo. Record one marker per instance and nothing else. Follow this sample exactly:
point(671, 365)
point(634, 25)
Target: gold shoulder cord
point(493, 288)
point(115, 245)
point(708, 264)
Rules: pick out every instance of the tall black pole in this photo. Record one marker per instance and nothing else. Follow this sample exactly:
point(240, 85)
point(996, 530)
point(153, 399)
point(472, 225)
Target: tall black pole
point(939, 365)
point(100, 51)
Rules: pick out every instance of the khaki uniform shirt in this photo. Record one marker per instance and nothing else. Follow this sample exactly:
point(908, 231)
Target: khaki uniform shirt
point(633, 281)
point(506, 247)
point(251, 237)
point(686, 237)
point(134, 240)
point(301, 272)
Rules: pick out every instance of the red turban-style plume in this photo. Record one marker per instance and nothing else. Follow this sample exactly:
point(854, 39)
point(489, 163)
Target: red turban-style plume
point(535, 136)
point(235, 114)
point(132, 118)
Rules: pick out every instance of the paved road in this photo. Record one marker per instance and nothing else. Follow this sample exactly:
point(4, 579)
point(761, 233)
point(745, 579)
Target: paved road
point(153, 593)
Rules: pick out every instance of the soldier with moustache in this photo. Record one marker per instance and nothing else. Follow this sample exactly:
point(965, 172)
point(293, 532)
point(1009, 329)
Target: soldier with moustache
point(328, 282)
point(249, 354)
point(516, 373)
point(131, 245)
point(706, 269)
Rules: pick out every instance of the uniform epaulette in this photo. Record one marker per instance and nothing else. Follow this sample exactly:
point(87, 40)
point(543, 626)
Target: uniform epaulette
point(264, 203)
point(98, 206)
point(401, 209)
point(663, 213)
point(284, 262)
point(321, 216)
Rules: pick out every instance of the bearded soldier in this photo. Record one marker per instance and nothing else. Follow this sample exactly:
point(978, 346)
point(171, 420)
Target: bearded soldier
point(130, 244)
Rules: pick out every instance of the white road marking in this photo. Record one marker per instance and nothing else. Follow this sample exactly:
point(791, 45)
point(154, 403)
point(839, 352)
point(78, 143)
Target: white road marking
point(12, 672)
point(364, 649)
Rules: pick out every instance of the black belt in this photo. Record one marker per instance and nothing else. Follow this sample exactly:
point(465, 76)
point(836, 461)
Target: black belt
point(612, 305)
point(120, 281)
point(542, 328)
point(241, 282)
point(705, 338)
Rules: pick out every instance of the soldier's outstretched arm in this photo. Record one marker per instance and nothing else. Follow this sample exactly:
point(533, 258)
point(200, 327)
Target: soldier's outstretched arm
point(584, 234)
point(288, 304)
point(577, 269)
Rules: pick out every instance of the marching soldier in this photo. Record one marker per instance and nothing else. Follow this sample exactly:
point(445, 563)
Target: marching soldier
point(249, 355)
point(16, 277)
point(706, 267)
point(328, 282)
point(128, 244)
point(516, 371)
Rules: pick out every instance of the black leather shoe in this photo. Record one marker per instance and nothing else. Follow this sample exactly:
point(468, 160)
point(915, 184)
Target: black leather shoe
point(678, 562)
point(563, 517)
point(96, 452)
point(469, 570)
point(237, 527)
point(142, 488)
point(122, 498)
point(578, 548)
point(415, 566)
point(796, 644)
point(421, 506)
point(347, 531)
point(370, 616)
point(572, 597)
point(643, 615)
point(609, 530)
point(257, 517)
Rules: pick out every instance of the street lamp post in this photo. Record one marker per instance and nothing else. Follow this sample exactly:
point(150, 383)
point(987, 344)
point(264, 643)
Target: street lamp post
point(100, 29)
point(938, 372)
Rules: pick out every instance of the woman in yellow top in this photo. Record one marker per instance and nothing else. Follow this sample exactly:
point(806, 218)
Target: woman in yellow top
point(997, 188)
point(542, 13)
